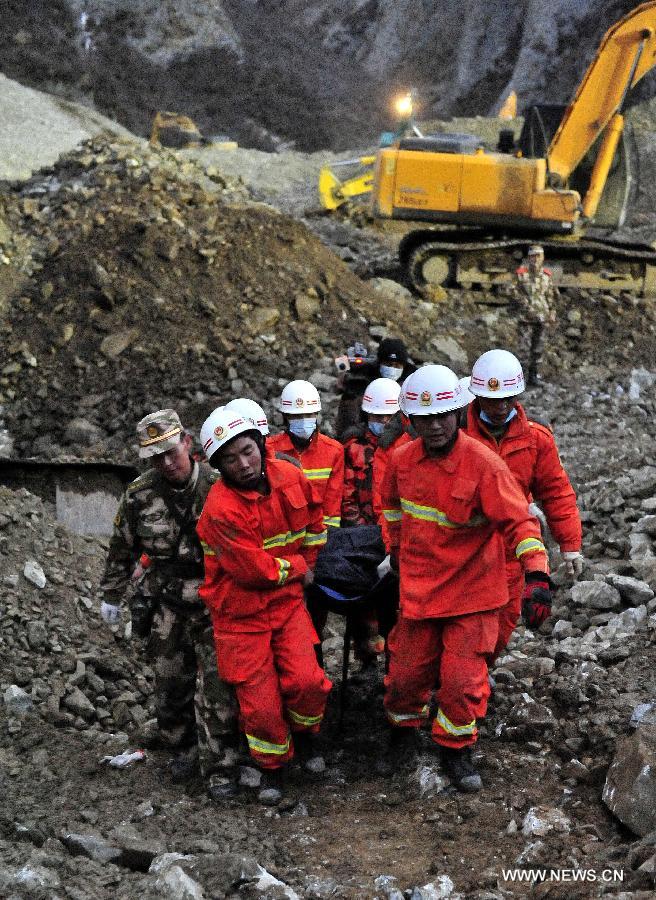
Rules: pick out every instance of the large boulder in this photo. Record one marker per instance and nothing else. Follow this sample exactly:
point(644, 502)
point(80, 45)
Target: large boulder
point(630, 788)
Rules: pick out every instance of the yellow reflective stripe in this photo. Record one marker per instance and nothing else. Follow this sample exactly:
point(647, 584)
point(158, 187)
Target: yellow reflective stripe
point(281, 540)
point(298, 719)
point(332, 521)
point(315, 540)
point(528, 545)
point(283, 570)
point(397, 718)
point(456, 730)
point(431, 514)
point(266, 747)
point(392, 515)
point(207, 550)
point(317, 474)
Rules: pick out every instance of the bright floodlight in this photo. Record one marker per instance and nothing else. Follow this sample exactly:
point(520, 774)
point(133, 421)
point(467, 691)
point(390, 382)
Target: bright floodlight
point(404, 106)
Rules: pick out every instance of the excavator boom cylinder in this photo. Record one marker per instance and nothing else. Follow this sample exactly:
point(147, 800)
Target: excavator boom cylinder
point(602, 166)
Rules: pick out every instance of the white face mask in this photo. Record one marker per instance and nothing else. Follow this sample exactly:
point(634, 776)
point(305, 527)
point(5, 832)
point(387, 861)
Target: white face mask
point(390, 372)
point(302, 428)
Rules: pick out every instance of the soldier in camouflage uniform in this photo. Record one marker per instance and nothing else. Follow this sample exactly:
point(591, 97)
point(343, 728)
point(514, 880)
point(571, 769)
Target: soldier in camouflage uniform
point(155, 525)
point(534, 296)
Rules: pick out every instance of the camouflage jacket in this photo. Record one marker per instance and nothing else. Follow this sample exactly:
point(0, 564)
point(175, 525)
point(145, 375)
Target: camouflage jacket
point(535, 295)
point(149, 520)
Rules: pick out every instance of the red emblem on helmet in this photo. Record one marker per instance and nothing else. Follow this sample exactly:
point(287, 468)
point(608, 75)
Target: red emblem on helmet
point(425, 398)
point(493, 384)
point(299, 401)
point(219, 431)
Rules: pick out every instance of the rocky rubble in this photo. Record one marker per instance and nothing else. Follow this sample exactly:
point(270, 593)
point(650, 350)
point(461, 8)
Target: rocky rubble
point(569, 698)
point(57, 659)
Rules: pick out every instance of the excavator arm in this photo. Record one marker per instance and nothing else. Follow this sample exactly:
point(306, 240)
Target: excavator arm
point(626, 54)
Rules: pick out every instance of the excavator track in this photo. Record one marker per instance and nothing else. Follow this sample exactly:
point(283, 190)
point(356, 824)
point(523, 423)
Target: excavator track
point(441, 258)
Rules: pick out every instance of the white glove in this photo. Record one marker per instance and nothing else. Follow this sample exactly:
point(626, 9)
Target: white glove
point(573, 562)
point(384, 567)
point(110, 613)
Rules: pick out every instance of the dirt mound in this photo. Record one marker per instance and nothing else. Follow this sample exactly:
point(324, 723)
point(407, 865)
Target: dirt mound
point(144, 288)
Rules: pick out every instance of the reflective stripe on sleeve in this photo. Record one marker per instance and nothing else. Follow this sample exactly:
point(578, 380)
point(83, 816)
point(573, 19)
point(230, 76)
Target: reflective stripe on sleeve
point(432, 514)
point(317, 474)
point(283, 570)
point(261, 746)
point(298, 719)
point(282, 540)
point(392, 515)
point(456, 730)
point(313, 539)
point(207, 550)
point(332, 521)
point(529, 545)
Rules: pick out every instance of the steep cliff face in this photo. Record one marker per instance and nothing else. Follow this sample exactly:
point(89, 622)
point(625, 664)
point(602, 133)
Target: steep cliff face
point(315, 72)
point(468, 54)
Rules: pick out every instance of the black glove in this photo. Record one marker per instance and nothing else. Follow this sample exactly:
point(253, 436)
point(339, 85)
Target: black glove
point(536, 598)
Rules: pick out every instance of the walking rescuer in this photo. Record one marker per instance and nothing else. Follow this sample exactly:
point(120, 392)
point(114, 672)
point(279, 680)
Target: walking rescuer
point(196, 712)
point(261, 530)
point(450, 503)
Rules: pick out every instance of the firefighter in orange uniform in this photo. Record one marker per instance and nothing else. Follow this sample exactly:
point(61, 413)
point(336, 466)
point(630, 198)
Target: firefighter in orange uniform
point(321, 457)
point(529, 450)
point(261, 530)
point(380, 402)
point(450, 504)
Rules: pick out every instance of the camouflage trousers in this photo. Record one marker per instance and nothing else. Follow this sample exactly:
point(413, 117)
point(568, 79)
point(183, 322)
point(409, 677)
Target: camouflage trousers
point(530, 346)
point(196, 711)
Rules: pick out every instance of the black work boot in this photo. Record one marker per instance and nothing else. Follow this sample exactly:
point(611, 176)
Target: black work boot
point(272, 787)
point(309, 753)
point(460, 768)
point(222, 787)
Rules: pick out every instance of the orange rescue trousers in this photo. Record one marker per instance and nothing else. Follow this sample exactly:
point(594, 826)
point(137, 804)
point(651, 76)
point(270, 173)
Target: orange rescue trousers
point(452, 652)
point(280, 686)
point(510, 613)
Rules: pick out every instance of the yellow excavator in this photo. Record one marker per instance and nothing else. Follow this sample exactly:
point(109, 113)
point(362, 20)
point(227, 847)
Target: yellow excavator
point(472, 212)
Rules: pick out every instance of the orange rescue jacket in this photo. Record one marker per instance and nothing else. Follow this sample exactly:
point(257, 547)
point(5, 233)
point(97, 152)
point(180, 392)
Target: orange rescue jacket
point(447, 521)
point(322, 462)
point(258, 547)
point(529, 450)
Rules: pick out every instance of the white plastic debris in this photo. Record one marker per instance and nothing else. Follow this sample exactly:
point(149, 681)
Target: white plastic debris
point(122, 760)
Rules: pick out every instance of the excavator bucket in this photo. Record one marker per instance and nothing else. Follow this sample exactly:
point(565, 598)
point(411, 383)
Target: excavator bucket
point(329, 186)
point(333, 191)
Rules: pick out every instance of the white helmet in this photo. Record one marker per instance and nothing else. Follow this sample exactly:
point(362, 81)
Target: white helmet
point(381, 397)
point(252, 411)
point(464, 384)
point(430, 390)
point(497, 374)
point(222, 426)
point(299, 397)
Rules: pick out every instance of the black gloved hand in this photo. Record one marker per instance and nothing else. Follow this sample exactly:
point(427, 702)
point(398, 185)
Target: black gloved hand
point(536, 598)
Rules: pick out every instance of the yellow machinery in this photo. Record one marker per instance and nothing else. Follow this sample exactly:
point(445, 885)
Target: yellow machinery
point(334, 191)
point(172, 130)
point(491, 205)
